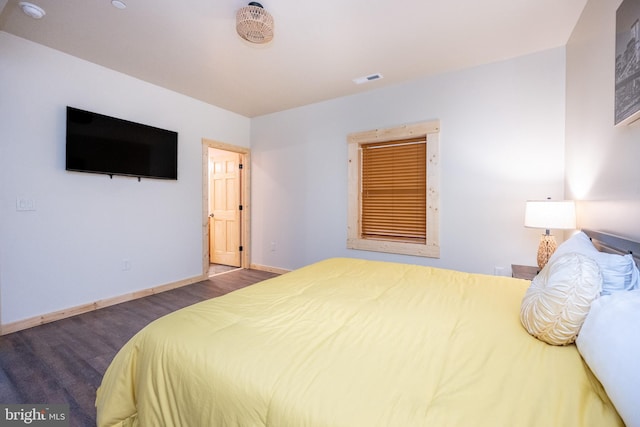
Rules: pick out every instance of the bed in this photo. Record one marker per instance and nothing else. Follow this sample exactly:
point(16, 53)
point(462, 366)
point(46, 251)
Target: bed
point(349, 342)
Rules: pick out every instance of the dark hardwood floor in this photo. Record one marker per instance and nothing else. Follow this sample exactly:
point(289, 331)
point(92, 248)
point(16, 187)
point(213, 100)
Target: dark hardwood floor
point(63, 362)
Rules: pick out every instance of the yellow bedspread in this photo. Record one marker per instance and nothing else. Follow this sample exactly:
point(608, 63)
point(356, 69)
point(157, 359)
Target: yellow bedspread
point(349, 343)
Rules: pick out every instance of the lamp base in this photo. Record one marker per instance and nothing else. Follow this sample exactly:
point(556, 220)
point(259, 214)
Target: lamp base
point(546, 248)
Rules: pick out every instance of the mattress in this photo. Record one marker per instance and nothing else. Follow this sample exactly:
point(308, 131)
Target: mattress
point(350, 343)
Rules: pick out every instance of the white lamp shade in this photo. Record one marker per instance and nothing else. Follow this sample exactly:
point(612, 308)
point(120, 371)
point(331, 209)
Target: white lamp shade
point(550, 214)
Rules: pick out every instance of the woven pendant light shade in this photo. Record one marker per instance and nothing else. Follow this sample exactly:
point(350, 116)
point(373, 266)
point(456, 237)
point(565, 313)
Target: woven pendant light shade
point(254, 24)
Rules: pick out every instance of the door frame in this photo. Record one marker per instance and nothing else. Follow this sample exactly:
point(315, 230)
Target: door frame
point(245, 197)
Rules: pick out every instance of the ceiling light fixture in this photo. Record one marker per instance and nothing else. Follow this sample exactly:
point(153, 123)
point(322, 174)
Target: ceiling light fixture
point(30, 9)
point(118, 4)
point(254, 24)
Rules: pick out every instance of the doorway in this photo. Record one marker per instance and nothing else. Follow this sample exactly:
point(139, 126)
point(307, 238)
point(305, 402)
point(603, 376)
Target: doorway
point(225, 209)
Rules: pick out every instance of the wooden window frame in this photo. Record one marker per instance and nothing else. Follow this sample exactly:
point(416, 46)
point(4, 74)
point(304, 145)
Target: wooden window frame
point(430, 131)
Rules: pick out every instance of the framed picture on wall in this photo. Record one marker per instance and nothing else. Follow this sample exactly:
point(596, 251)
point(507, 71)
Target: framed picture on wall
point(627, 93)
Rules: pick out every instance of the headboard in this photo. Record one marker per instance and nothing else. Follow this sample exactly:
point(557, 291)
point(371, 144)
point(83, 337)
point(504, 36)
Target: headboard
point(613, 244)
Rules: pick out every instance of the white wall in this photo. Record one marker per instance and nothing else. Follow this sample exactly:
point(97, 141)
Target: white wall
point(70, 250)
point(501, 143)
point(602, 169)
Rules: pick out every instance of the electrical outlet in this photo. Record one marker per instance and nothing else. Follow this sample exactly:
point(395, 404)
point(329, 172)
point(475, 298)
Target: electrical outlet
point(25, 204)
point(499, 271)
point(126, 265)
point(273, 246)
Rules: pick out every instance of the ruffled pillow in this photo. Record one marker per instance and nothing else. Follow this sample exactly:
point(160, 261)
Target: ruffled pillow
point(619, 272)
point(558, 300)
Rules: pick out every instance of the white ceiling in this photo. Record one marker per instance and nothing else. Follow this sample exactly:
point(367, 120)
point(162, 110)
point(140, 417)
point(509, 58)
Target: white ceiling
point(319, 47)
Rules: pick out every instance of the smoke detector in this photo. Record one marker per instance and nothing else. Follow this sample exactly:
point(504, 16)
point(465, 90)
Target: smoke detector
point(30, 9)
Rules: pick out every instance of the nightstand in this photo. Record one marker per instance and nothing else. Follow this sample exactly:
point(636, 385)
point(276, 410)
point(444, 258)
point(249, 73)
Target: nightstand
point(527, 272)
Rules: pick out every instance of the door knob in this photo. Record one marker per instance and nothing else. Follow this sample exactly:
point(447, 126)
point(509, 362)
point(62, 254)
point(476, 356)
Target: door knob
point(210, 215)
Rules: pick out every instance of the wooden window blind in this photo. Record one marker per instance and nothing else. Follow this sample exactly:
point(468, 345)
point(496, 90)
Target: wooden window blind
point(393, 190)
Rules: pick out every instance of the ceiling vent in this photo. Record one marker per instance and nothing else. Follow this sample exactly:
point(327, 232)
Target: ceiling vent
point(254, 24)
point(367, 79)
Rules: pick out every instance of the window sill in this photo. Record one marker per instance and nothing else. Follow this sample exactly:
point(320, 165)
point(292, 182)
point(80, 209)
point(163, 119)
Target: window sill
point(402, 248)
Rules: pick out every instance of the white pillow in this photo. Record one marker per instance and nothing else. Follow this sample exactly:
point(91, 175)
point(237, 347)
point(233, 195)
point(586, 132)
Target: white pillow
point(619, 272)
point(558, 300)
point(610, 344)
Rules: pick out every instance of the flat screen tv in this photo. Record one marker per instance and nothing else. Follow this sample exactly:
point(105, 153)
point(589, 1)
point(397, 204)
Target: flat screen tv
point(101, 144)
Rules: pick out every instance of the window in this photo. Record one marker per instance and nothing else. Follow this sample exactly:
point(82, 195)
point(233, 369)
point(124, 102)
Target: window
point(394, 191)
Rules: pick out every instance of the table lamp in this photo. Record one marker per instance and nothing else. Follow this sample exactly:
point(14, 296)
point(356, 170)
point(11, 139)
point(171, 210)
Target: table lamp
point(549, 214)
